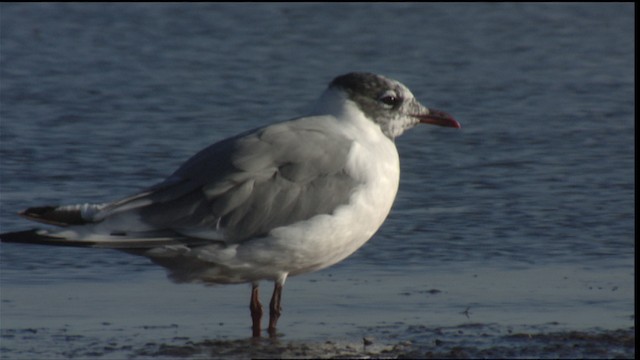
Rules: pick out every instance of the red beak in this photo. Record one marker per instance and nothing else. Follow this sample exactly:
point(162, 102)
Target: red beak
point(440, 118)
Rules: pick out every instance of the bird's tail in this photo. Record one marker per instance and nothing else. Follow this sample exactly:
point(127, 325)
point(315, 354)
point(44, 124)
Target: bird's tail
point(63, 215)
point(41, 237)
point(109, 241)
point(79, 227)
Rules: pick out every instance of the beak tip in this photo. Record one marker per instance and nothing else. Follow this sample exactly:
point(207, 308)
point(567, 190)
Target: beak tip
point(440, 118)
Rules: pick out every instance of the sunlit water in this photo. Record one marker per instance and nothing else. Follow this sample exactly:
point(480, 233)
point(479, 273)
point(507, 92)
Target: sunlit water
point(522, 220)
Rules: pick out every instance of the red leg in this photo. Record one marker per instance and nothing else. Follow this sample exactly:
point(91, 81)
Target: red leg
point(275, 309)
point(256, 310)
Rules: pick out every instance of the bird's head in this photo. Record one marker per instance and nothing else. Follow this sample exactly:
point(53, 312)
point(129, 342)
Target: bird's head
point(388, 103)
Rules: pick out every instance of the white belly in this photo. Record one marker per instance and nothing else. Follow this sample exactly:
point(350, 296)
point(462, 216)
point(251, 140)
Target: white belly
point(322, 240)
point(327, 239)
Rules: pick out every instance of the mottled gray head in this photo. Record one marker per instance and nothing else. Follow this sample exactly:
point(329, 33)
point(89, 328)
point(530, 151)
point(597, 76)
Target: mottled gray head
point(388, 103)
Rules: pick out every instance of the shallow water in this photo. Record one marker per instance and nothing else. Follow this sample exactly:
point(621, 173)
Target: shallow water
point(512, 237)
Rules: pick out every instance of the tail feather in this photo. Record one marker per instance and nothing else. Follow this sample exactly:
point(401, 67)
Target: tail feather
point(63, 215)
point(43, 237)
point(39, 238)
point(91, 225)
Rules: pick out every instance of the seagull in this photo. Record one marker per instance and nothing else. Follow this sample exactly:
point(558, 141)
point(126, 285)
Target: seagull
point(280, 200)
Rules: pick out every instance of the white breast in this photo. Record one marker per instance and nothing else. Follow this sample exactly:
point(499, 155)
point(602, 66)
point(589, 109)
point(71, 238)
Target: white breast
point(327, 239)
point(322, 240)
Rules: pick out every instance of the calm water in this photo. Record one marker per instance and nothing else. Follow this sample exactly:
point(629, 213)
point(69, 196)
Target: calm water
point(525, 217)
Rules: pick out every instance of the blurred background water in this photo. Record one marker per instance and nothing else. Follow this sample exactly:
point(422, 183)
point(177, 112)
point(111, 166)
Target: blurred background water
point(523, 217)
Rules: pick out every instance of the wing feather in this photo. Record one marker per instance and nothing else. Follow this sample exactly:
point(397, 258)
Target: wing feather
point(244, 186)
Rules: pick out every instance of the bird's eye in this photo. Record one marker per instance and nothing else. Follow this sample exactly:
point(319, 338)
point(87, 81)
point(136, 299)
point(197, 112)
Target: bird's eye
point(390, 99)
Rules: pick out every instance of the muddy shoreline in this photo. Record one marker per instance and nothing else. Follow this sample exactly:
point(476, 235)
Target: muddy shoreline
point(464, 341)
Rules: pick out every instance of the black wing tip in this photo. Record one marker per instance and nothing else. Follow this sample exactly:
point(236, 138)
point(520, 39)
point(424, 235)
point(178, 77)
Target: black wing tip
point(35, 237)
point(53, 215)
point(38, 237)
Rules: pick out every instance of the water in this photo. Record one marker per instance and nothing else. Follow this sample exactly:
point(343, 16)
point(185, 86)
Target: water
point(520, 223)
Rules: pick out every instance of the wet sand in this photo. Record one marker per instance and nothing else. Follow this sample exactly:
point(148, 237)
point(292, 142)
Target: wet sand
point(470, 341)
point(465, 341)
point(348, 311)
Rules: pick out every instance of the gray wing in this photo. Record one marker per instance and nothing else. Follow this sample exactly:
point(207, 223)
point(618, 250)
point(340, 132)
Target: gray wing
point(244, 186)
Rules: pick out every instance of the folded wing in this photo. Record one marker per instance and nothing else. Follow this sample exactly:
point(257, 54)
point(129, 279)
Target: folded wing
point(234, 190)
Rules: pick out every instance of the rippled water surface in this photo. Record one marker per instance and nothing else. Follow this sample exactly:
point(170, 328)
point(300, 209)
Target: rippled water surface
point(512, 237)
